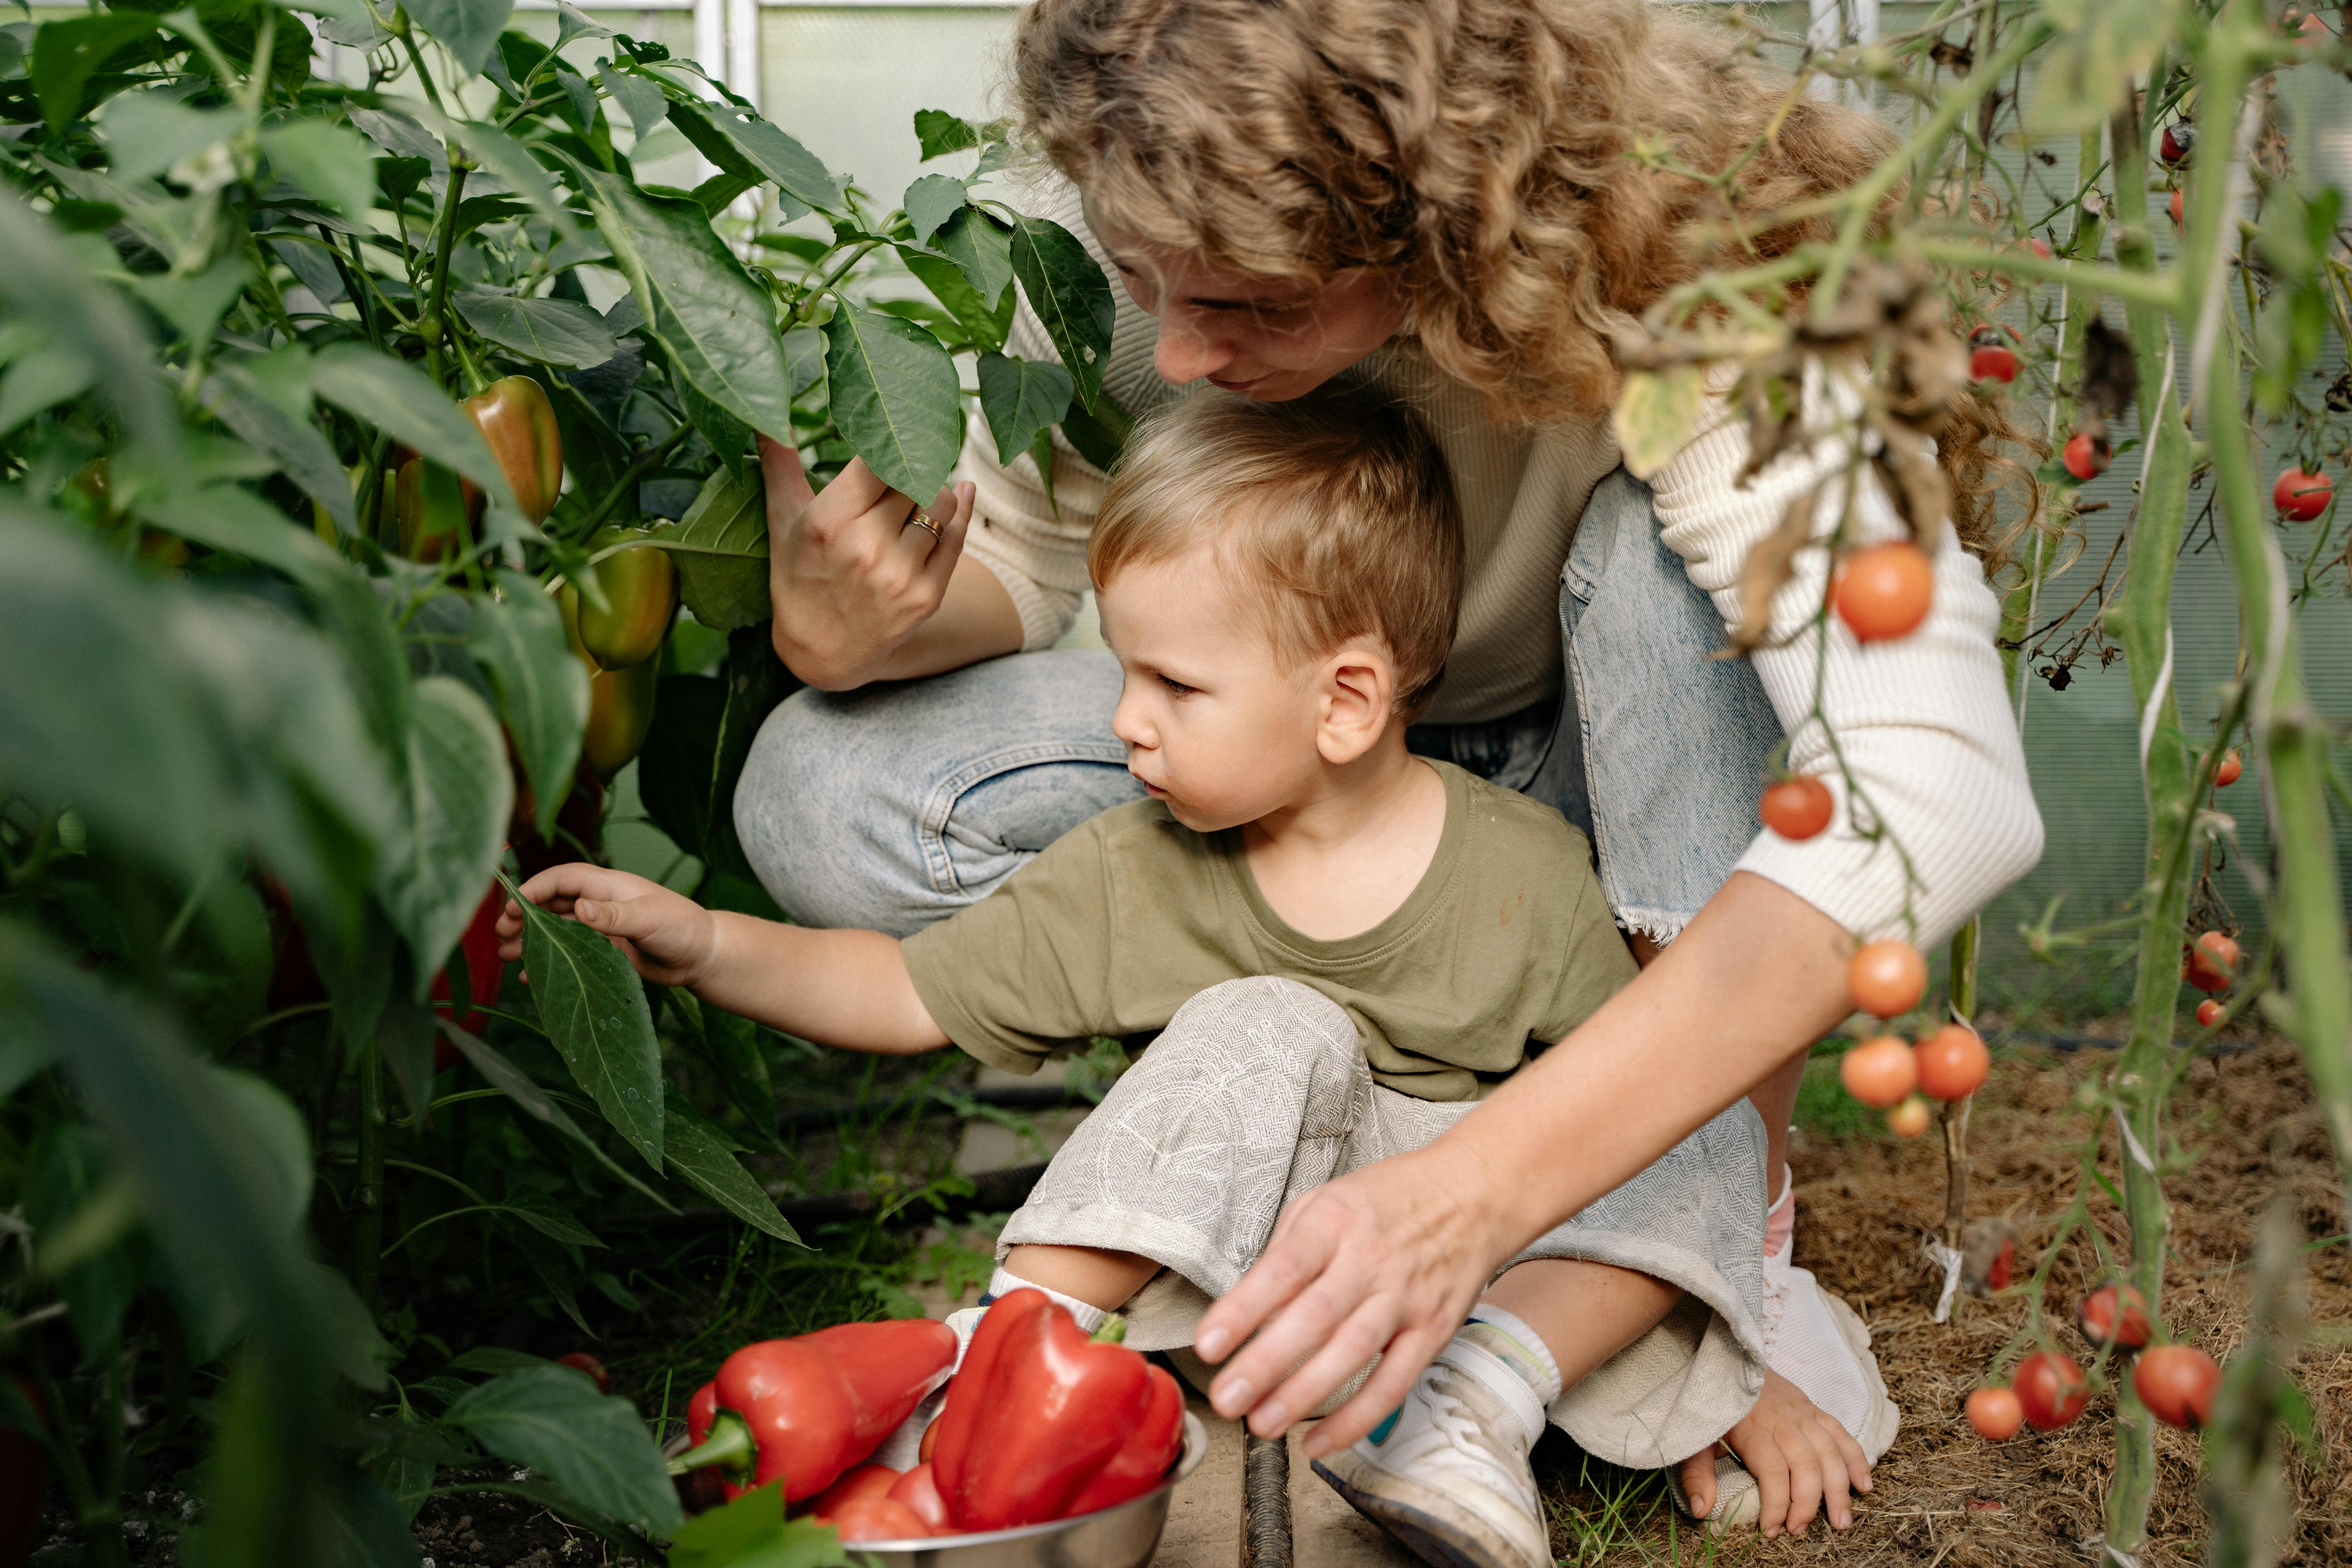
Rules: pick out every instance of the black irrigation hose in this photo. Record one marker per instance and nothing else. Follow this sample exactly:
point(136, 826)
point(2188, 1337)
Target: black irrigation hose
point(993, 1191)
point(932, 1102)
point(2221, 1048)
point(1266, 1502)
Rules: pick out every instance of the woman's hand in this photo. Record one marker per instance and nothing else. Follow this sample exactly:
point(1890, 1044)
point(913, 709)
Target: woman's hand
point(851, 573)
point(668, 937)
point(1385, 1261)
point(1801, 1459)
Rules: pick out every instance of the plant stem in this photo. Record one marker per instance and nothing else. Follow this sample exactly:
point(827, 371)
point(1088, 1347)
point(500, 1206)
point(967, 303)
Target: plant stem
point(434, 322)
point(367, 1198)
point(1965, 946)
point(647, 462)
point(2291, 739)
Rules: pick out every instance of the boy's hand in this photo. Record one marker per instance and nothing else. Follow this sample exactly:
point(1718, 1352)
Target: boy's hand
point(667, 936)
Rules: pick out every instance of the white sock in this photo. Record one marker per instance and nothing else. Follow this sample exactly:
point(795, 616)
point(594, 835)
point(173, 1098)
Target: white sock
point(1004, 1282)
point(1510, 1358)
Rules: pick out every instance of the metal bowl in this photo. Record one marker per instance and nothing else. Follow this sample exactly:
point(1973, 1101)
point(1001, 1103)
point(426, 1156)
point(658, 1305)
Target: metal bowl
point(1122, 1537)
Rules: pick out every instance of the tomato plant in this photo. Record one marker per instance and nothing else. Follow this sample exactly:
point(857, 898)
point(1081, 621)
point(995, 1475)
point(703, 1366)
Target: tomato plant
point(1997, 1414)
point(2177, 1383)
point(2051, 1390)
point(2113, 1315)
point(1887, 977)
point(1879, 1072)
point(1883, 590)
point(1953, 1063)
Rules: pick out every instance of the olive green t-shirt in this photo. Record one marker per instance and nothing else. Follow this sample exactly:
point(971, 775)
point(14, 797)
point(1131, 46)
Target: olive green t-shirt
point(1125, 918)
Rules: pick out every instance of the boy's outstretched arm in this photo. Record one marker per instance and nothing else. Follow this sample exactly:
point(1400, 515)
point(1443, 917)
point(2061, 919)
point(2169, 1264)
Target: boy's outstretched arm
point(843, 988)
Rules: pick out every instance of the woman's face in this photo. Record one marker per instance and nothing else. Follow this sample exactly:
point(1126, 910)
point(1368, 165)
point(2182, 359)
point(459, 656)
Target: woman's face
point(1262, 338)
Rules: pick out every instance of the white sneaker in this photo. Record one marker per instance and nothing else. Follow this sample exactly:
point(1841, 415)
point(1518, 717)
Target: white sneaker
point(1447, 1473)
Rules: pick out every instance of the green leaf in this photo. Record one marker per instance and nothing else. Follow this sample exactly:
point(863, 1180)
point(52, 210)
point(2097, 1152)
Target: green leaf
point(469, 30)
point(39, 382)
point(752, 1532)
point(639, 99)
point(1657, 414)
point(196, 305)
point(517, 1086)
point(718, 326)
point(797, 171)
point(982, 249)
point(985, 326)
point(47, 281)
point(1021, 397)
point(147, 132)
point(544, 1218)
point(805, 352)
point(931, 201)
point(333, 163)
point(1098, 433)
point(941, 133)
point(543, 690)
point(574, 23)
point(692, 760)
point(504, 156)
point(459, 796)
point(895, 397)
point(592, 1446)
point(66, 54)
point(553, 332)
point(730, 440)
point(720, 548)
point(730, 1045)
point(1067, 290)
point(397, 398)
point(698, 1156)
point(595, 1014)
point(233, 397)
point(2101, 48)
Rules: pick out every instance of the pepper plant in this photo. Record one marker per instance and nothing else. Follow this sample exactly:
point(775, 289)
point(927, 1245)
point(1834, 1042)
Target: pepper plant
point(2208, 109)
point(342, 538)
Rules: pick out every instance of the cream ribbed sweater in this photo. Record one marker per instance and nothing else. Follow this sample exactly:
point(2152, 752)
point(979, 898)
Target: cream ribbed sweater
point(1922, 721)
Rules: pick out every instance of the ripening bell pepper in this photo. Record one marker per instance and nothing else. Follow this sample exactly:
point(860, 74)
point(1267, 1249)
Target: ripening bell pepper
point(803, 1410)
point(516, 419)
point(640, 586)
point(1142, 1461)
point(24, 1475)
point(620, 702)
point(1035, 1415)
point(483, 973)
point(437, 511)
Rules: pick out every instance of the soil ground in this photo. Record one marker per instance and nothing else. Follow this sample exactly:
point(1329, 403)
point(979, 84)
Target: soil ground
point(1944, 1498)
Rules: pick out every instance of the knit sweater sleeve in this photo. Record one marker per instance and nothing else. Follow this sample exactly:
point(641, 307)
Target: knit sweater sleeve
point(1926, 729)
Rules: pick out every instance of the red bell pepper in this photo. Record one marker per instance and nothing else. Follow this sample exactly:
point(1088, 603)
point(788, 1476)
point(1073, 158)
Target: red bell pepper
point(1142, 1461)
point(803, 1410)
point(483, 973)
point(879, 1519)
point(1036, 1414)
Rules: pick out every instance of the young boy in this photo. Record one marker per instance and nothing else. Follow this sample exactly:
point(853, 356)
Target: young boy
point(1342, 947)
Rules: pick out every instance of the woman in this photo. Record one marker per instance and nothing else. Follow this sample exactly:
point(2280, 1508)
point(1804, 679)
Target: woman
point(1437, 196)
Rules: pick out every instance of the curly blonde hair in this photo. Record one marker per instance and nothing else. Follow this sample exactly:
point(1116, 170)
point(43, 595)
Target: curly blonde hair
point(1480, 151)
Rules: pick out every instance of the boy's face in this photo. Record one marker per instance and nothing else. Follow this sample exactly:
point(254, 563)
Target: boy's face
point(1215, 724)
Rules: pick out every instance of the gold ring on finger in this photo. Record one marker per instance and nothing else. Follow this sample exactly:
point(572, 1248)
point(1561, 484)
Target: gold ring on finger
point(922, 520)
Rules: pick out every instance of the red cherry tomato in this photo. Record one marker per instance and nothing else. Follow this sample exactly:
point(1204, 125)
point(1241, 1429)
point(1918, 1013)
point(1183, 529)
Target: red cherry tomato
point(2052, 1389)
point(1996, 1414)
point(1992, 363)
point(2210, 1013)
point(2175, 205)
point(879, 1519)
point(2227, 773)
point(1797, 808)
point(2084, 457)
point(1910, 1118)
point(1887, 977)
point(1879, 1072)
point(2212, 961)
point(2004, 1265)
point(2113, 1315)
point(2300, 496)
point(1953, 1062)
point(2177, 1383)
point(2039, 246)
point(920, 1492)
point(581, 1361)
point(857, 1484)
point(2180, 138)
point(1883, 590)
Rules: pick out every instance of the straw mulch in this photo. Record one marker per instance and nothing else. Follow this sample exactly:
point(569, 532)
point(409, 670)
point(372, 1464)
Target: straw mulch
point(1946, 1499)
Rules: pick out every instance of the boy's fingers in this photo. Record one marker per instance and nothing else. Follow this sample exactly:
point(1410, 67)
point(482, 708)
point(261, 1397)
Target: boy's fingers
point(1698, 1481)
point(1764, 1462)
point(1857, 1464)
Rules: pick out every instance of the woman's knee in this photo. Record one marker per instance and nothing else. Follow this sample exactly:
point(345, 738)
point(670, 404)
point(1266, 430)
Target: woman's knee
point(800, 806)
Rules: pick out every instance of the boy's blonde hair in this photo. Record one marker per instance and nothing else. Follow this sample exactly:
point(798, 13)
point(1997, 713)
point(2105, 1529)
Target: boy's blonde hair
point(1335, 514)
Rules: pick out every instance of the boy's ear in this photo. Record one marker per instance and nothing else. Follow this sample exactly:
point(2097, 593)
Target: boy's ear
point(1358, 698)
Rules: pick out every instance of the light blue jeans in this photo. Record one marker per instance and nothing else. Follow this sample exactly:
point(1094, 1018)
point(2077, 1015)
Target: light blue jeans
point(894, 805)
